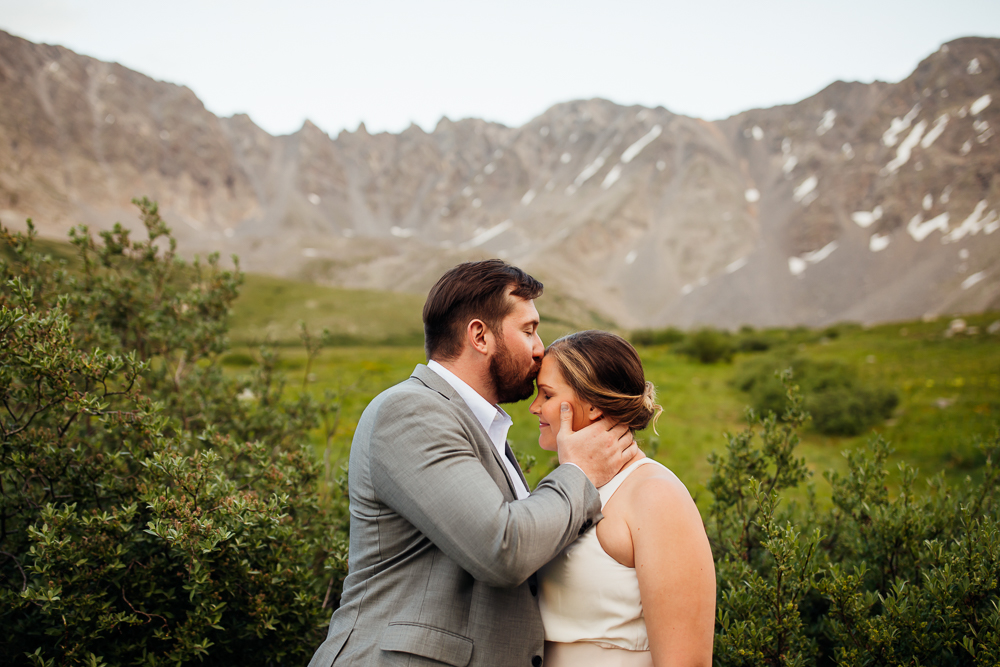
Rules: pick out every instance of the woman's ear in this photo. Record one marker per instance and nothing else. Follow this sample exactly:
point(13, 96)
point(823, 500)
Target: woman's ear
point(593, 414)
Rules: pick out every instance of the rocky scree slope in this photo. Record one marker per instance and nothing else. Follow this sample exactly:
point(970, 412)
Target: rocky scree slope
point(865, 202)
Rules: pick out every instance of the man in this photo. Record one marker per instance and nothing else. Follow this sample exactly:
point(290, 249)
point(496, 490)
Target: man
point(445, 538)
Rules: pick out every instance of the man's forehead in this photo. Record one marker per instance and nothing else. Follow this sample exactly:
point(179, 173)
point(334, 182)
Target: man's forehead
point(524, 309)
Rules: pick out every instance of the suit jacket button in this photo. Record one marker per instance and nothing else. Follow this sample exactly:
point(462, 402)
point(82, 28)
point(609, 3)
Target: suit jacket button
point(536, 661)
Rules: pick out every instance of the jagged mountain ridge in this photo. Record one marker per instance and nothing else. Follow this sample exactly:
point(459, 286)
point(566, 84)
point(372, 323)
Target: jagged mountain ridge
point(866, 202)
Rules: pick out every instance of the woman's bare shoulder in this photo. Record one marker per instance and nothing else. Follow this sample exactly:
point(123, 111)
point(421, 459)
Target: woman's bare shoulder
point(655, 481)
point(655, 493)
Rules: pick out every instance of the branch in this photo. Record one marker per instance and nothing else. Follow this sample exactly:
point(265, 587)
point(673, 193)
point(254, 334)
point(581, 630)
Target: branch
point(9, 411)
point(66, 426)
point(179, 372)
point(149, 616)
point(329, 589)
point(777, 605)
point(39, 410)
point(23, 575)
point(805, 564)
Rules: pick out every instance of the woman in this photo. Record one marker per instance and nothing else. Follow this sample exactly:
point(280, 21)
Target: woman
point(639, 589)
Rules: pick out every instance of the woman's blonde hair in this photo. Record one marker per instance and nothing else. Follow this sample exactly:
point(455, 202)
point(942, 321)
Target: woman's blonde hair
point(605, 371)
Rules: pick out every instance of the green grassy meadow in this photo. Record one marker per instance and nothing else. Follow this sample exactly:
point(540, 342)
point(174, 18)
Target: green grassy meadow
point(949, 387)
point(269, 310)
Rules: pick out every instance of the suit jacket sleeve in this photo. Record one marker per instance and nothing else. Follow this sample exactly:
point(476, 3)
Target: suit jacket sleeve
point(424, 466)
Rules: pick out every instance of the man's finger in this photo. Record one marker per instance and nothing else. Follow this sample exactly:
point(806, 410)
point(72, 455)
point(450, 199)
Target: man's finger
point(619, 430)
point(565, 418)
point(626, 442)
point(608, 424)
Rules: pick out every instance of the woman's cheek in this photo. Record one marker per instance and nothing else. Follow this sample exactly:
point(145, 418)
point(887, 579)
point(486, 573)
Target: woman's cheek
point(553, 431)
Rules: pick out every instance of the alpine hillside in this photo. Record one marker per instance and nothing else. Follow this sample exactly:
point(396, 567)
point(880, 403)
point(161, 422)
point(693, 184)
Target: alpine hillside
point(865, 202)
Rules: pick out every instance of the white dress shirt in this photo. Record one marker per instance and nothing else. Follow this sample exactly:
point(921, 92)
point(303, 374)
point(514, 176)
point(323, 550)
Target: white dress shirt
point(494, 420)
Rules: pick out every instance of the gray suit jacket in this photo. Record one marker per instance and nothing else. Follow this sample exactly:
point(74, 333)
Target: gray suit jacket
point(442, 555)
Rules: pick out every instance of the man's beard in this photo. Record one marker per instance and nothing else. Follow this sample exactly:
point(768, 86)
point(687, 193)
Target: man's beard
point(511, 382)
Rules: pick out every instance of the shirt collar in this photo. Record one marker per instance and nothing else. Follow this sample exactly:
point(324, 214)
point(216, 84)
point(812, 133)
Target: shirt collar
point(484, 411)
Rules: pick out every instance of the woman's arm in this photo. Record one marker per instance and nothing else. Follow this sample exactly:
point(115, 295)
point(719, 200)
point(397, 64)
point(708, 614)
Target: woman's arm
point(676, 572)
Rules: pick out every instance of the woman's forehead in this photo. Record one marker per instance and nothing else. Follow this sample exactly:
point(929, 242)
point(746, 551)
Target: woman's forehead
point(550, 372)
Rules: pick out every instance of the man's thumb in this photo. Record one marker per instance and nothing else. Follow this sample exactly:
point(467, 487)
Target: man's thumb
point(566, 418)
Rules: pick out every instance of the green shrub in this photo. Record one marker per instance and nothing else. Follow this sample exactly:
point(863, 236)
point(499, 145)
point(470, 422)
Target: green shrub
point(752, 343)
point(840, 404)
point(238, 360)
point(831, 333)
point(153, 510)
point(748, 339)
point(648, 337)
point(849, 410)
point(876, 579)
point(708, 346)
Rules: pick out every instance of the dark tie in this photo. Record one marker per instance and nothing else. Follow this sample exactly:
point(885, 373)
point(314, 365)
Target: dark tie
point(509, 453)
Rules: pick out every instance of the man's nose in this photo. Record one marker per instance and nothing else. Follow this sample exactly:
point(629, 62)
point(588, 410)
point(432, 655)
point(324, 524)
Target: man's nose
point(538, 349)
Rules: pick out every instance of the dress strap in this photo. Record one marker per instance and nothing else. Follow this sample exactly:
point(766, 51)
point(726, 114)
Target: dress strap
point(609, 489)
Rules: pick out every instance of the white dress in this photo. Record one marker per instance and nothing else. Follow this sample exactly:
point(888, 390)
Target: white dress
point(590, 602)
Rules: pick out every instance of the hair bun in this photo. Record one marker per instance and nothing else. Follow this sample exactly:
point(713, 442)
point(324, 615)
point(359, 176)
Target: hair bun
point(649, 397)
point(650, 405)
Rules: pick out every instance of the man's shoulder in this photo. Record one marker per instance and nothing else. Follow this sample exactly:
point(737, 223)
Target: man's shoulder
point(422, 382)
point(418, 389)
point(413, 406)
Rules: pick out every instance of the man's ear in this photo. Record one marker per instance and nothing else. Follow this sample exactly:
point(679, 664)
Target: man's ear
point(476, 334)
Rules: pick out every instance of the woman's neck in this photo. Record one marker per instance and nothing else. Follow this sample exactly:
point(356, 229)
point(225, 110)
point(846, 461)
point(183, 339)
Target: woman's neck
point(639, 454)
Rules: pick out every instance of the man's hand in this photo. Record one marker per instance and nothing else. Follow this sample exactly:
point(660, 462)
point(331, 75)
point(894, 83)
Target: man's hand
point(600, 449)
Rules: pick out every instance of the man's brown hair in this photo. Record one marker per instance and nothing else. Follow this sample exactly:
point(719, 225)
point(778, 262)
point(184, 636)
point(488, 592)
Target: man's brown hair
point(473, 290)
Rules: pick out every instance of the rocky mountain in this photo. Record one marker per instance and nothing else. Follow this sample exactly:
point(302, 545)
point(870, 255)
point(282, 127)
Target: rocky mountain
point(865, 202)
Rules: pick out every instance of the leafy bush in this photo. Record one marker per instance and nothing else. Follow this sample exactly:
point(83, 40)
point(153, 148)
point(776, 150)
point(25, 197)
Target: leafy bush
point(648, 337)
point(748, 339)
point(753, 343)
point(833, 394)
point(711, 346)
point(873, 580)
point(849, 410)
point(153, 510)
point(708, 346)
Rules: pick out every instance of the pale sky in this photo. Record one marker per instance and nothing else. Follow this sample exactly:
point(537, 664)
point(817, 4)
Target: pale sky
point(392, 62)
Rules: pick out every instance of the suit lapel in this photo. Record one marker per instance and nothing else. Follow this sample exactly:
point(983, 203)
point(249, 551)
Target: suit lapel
point(513, 460)
point(434, 381)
